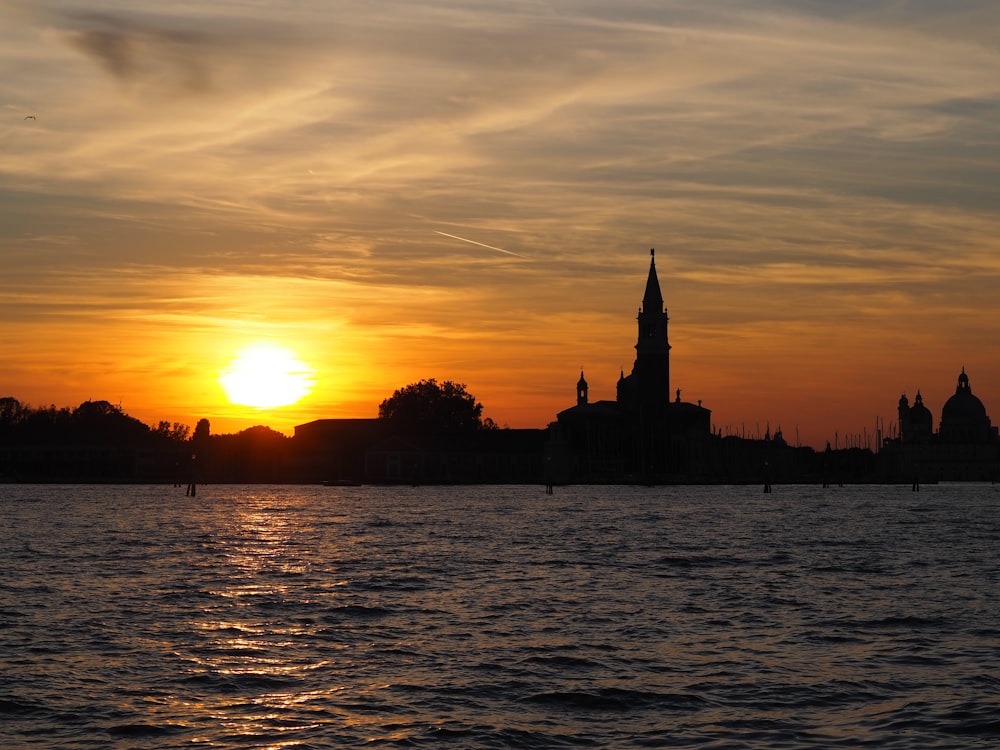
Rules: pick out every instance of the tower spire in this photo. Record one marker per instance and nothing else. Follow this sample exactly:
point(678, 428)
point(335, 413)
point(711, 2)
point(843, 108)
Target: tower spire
point(652, 364)
point(652, 300)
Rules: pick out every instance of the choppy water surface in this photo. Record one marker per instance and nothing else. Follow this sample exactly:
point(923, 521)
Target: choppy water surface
point(487, 617)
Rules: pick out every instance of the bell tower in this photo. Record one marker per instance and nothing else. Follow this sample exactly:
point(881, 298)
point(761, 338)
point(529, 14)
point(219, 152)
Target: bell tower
point(652, 349)
point(649, 387)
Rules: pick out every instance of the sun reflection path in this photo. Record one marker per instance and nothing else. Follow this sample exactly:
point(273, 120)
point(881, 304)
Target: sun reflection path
point(254, 641)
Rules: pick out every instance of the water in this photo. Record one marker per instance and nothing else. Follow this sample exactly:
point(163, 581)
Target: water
point(491, 617)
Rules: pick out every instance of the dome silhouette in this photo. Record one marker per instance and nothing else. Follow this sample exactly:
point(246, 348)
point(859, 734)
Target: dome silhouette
point(920, 414)
point(963, 418)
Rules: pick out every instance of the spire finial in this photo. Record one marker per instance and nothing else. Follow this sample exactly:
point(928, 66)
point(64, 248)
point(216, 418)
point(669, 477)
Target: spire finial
point(652, 252)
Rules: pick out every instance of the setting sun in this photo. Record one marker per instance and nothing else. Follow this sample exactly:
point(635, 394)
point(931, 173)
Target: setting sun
point(265, 375)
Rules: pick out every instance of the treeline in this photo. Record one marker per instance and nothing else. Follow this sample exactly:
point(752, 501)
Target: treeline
point(91, 422)
point(426, 422)
point(98, 442)
point(425, 408)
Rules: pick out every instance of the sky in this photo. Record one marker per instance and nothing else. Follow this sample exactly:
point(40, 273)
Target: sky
point(468, 191)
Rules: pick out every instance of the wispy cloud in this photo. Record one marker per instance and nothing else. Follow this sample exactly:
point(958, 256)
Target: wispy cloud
point(794, 163)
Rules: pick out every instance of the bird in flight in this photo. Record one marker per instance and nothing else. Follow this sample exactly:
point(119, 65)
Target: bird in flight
point(30, 117)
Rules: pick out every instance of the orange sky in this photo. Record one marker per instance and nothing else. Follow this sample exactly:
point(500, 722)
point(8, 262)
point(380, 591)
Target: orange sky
point(821, 182)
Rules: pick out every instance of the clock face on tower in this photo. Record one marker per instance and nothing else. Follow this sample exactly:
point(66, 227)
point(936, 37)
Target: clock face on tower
point(650, 329)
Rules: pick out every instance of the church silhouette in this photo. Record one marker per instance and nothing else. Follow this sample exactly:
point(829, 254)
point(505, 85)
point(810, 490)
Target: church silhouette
point(966, 446)
point(642, 435)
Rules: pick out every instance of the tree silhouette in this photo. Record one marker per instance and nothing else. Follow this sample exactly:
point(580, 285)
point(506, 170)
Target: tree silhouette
point(104, 422)
point(177, 432)
point(12, 411)
point(200, 442)
point(433, 409)
point(256, 454)
point(202, 431)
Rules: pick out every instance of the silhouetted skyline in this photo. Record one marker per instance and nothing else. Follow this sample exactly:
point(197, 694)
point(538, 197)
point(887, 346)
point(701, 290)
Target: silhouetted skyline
point(436, 432)
point(426, 190)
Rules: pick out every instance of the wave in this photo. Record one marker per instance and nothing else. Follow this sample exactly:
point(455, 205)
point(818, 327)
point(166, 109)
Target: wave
point(618, 699)
point(141, 731)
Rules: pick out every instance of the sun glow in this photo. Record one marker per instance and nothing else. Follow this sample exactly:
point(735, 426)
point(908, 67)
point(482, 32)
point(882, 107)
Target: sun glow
point(265, 376)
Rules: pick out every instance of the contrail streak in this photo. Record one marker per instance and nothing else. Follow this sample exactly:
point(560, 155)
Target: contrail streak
point(481, 244)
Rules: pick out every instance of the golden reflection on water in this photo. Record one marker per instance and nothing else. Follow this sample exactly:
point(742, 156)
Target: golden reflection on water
point(261, 539)
point(258, 545)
